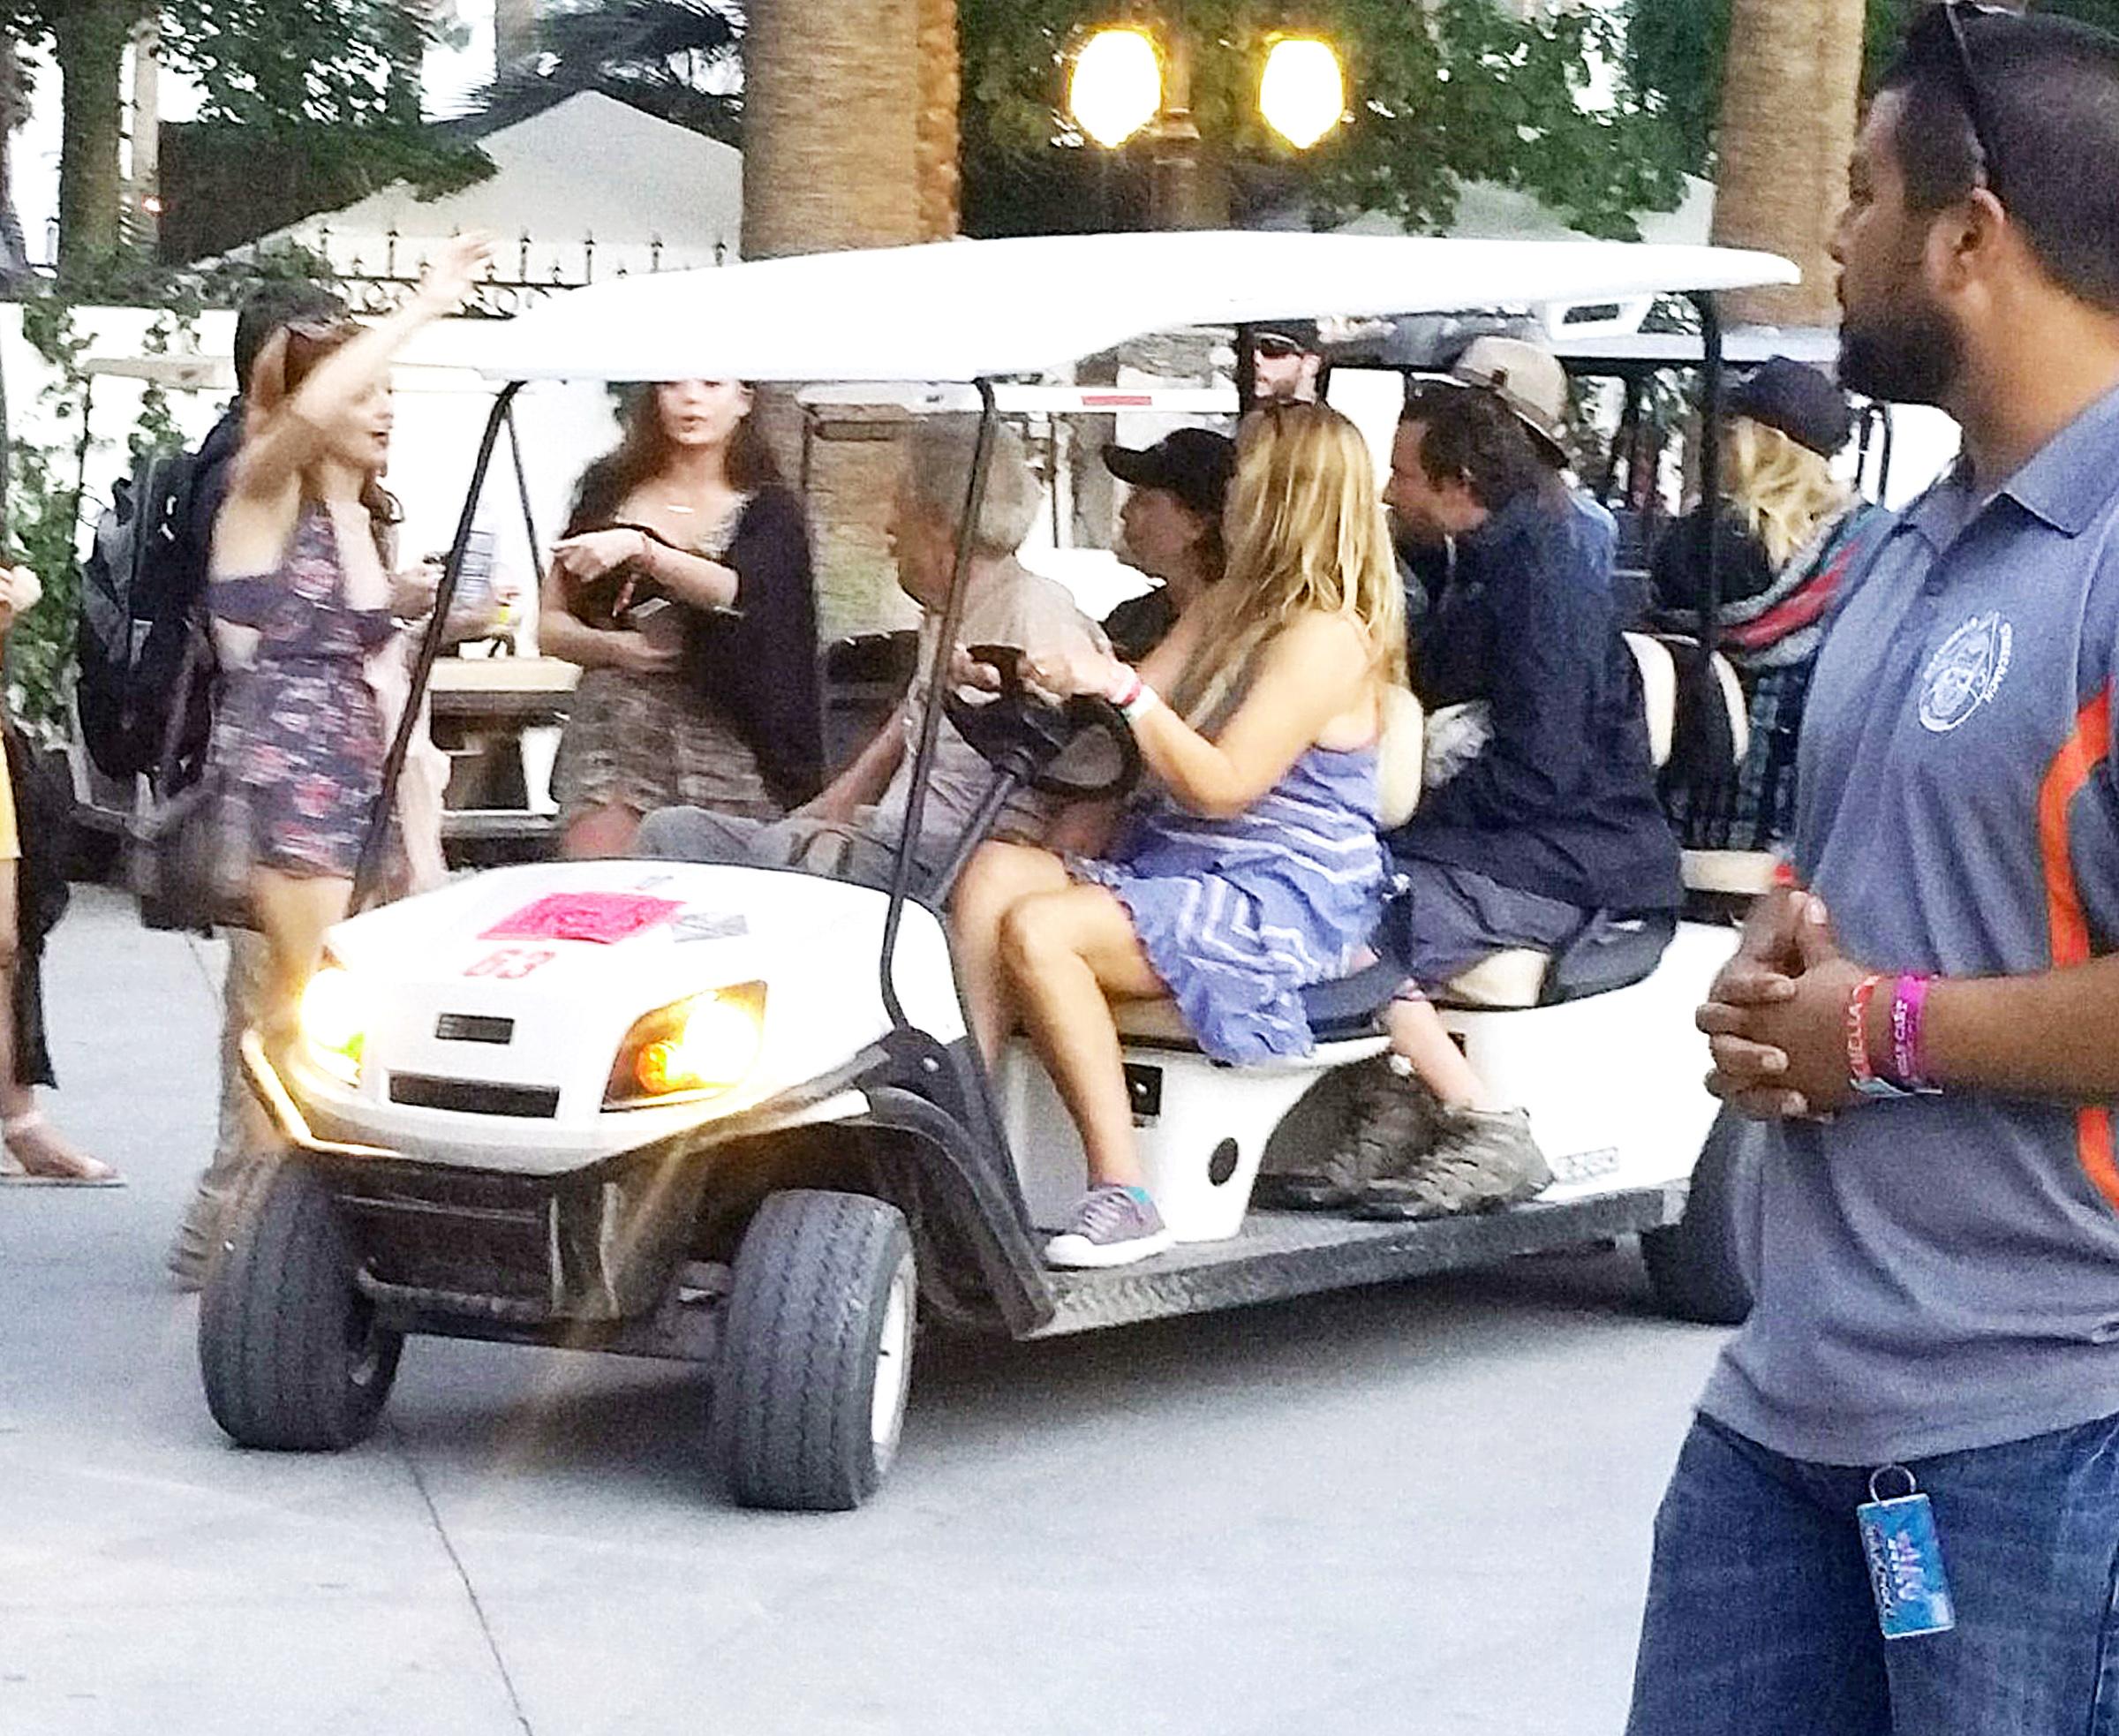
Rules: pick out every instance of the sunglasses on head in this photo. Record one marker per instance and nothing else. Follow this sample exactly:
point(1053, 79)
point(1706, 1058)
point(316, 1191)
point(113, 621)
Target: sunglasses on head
point(1275, 348)
point(1954, 12)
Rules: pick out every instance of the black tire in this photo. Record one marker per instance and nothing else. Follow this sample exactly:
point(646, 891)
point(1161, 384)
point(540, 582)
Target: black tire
point(288, 1348)
point(796, 1409)
point(1695, 1265)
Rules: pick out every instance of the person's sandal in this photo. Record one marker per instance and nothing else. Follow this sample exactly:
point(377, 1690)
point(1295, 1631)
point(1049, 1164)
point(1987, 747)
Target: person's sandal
point(75, 1170)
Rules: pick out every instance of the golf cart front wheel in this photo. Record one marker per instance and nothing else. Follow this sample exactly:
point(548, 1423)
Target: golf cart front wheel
point(288, 1348)
point(809, 1396)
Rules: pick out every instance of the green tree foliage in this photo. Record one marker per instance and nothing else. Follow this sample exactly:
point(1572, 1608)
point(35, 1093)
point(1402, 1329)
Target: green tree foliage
point(329, 77)
point(1674, 51)
point(1438, 95)
point(679, 60)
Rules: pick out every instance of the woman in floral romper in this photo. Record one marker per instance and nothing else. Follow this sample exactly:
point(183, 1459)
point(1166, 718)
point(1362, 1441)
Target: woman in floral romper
point(299, 592)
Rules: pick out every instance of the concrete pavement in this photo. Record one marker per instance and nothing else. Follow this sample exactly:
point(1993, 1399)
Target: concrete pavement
point(1420, 1509)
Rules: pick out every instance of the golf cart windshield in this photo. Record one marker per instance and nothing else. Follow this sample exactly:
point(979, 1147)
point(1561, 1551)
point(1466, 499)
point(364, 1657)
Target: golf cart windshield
point(973, 312)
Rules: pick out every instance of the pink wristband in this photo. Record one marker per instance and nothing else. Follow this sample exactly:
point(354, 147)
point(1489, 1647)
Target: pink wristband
point(1909, 1015)
point(1125, 689)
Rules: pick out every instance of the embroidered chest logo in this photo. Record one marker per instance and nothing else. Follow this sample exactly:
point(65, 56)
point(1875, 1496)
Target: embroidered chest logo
point(1965, 673)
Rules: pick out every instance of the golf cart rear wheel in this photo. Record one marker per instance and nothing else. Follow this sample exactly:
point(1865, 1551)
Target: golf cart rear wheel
point(1695, 1265)
point(288, 1348)
point(809, 1396)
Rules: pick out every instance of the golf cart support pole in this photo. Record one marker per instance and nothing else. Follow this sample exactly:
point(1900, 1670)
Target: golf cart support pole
point(1710, 473)
point(368, 871)
point(937, 676)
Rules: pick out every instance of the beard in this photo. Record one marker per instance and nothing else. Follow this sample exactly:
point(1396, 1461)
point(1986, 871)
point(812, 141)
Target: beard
point(1908, 352)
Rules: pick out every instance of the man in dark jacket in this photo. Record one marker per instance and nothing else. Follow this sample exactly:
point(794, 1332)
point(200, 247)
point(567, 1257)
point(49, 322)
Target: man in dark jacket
point(1551, 817)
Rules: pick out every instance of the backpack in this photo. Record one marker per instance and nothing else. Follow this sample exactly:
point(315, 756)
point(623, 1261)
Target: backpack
point(143, 587)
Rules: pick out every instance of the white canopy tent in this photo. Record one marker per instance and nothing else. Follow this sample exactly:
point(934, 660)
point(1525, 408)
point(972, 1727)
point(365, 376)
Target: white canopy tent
point(589, 167)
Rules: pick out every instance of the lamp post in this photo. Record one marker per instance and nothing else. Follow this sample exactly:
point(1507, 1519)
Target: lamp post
point(1131, 78)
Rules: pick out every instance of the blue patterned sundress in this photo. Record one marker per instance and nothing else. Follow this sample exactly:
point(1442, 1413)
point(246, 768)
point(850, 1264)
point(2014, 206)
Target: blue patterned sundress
point(1238, 915)
point(297, 743)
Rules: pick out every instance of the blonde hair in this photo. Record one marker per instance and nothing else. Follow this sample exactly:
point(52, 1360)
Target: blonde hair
point(939, 456)
point(1305, 531)
point(1782, 489)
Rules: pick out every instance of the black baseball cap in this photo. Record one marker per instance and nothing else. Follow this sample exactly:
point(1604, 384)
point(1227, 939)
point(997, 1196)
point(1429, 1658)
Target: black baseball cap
point(1193, 464)
point(1798, 400)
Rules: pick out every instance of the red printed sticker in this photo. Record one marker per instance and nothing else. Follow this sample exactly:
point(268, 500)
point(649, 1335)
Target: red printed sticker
point(512, 963)
point(601, 917)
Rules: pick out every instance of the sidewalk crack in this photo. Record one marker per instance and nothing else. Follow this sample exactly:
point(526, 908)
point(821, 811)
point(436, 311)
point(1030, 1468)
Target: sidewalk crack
point(471, 1591)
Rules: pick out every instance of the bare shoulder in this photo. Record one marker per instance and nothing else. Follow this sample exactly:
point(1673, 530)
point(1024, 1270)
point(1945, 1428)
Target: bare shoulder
point(250, 531)
point(1328, 645)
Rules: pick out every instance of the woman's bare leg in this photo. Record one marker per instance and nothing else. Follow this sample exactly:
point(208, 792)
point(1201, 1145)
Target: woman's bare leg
point(1068, 954)
point(36, 1146)
point(295, 913)
point(998, 879)
point(599, 834)
point(1417, 1035)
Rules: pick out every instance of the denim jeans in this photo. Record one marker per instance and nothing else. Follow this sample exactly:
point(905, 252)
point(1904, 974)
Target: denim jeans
point(1761, 1623)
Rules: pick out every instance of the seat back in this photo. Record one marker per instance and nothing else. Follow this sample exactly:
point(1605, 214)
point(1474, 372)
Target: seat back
point(1706, 714)
point(1659, 693)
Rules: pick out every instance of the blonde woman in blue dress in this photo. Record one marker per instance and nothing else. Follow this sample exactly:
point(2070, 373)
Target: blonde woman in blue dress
point(1250, 867)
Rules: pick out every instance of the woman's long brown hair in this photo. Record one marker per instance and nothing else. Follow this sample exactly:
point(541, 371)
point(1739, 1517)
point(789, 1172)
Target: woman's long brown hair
point(289, 356)
point(645, 452)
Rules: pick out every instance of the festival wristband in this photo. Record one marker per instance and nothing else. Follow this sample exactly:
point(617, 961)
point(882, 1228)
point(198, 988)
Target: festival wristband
point(1134, 697)
point(1860, 1073)
point(1909, 1016)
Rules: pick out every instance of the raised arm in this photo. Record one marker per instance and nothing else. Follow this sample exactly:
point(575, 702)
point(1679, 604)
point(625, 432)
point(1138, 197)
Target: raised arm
point(295, 431)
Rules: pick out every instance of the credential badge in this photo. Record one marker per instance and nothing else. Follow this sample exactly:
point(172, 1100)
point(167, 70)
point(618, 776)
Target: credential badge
point(1965, 673)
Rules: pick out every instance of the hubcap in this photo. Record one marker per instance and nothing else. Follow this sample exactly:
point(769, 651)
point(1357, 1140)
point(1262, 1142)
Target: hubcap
point(894, 1365)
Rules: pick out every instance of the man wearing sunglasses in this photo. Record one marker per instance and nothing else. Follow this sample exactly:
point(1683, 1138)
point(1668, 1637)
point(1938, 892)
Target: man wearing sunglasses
point(1286, 362)
point(1927, 1024)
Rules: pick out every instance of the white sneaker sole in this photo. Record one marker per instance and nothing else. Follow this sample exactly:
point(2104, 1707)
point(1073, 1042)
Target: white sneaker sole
point(1078, 1253)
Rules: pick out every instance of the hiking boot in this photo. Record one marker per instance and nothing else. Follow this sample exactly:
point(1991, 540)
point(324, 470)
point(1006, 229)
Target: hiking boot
point(1390, 1123)
point(192, 1253)
point(1484, 1159)
point(1111, 1227)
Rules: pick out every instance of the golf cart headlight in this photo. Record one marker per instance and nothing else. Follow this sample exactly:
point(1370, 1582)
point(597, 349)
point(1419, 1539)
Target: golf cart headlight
point(694, 1047)
point(334, 1022)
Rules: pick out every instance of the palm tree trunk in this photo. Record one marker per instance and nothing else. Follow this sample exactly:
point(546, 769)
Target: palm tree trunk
point(935, 141)
point(840, 112)
point(515, 34)
point(90, 44)
point(1788, 94)
point(831, 128)
point(14, 249)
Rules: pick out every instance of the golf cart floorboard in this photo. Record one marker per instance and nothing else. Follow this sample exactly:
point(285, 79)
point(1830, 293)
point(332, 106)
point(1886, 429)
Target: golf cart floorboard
point(1283, 1254)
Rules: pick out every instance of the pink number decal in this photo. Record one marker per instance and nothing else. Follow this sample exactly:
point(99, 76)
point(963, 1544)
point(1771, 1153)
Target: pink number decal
point(511, 963)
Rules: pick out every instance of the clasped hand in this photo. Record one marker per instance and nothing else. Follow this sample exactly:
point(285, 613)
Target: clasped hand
point(1775, 1018)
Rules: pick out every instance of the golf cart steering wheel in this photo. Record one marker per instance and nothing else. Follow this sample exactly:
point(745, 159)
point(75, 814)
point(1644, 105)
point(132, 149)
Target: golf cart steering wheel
point(1080, 750)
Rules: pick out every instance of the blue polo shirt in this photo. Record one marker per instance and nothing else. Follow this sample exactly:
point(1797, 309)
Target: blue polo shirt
point(1942, 1274)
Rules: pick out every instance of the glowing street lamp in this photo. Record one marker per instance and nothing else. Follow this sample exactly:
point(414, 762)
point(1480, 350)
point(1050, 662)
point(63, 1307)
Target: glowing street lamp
point(1117, 88)
point(1303, 93)
point(1132, 79)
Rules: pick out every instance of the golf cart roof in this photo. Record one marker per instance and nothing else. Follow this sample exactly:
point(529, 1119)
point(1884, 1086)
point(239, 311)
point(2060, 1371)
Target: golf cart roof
point(971, 310)
point(1742, 346)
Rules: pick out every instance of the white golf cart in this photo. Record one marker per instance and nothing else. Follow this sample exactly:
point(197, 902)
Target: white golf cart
point(732, 1116)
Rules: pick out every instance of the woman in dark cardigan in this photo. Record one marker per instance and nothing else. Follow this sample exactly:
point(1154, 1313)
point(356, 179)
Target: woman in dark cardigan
point(683, 588)
point(32, 896)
